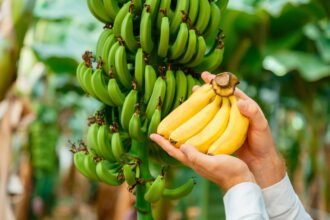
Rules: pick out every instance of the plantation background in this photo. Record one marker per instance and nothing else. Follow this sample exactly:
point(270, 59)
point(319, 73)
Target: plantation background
point(279, 49)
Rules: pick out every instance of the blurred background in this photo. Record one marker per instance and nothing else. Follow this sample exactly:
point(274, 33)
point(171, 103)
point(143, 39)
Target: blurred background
point(279, 49)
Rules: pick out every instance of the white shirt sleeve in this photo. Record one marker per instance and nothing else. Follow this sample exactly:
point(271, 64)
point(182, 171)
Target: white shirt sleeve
point(244, 201)
point(282, 203)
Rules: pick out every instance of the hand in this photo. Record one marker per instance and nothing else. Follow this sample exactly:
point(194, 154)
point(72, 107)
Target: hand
point(258, 151)
point(224, 170)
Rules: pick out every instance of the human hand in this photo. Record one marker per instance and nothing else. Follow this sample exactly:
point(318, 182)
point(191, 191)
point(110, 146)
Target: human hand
point(224, 170)
point(258, 151)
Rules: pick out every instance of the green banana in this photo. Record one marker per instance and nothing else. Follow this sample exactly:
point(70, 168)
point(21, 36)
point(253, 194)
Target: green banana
point(153, 7)
point(179, 45)
point(116, 95)
point(180, 191)
point(129, 174)
point(181, 88)
point(164, 10)
point(170, 92)
point(138, 5)
point(222, 4)
point(176, 20)
point(212, 61)
point(127, 33)
point(100, 87)
point(112, 59)
point(101, 42)
point(104, 143)
point(164, 38)
point(193, 10)
point(155, 120)
point(79, 73)
point(96, 7)
point(214, 23)
point(190, 84)
point(150, 79)
point(111, 7)
point(123, 73)
point(105, 51)
point(158, 95)
point(117, 25)
point(204, 17)
point(198, 57)
point(78, 160)
point(87, 81)
point(92, 138)
point(146, 40)
point(117, 146)
point(191, 48)
point(128, 108)
point(139, 68)
point(108, 173)
point(155, 191)
point(90, 167)
point(135, 126)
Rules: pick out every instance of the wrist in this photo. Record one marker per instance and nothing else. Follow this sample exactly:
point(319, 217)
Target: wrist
point(269, 170)
point(237, 179)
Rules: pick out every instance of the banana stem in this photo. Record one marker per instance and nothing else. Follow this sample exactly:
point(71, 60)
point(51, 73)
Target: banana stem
point(143, 207)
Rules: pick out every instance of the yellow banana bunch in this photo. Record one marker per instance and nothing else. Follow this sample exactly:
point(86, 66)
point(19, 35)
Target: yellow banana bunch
point(209, 120)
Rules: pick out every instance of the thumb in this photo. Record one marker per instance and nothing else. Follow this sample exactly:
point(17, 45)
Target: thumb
point(253, 112)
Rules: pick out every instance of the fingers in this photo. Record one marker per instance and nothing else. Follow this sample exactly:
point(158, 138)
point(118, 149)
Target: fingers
point(195, 158)
point(169, 148)
point(240, 94)
point(252, 111)
point(207, 77)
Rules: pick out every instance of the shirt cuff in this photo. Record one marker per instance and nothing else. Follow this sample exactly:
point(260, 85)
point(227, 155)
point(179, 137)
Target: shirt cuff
point(244, 200)
point(281, 200)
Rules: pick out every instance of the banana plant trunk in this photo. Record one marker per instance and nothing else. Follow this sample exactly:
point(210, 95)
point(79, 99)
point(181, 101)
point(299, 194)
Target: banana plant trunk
point(17, 16)
point(142, 207)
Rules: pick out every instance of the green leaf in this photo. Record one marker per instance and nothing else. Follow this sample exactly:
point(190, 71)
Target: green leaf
point(309, 66)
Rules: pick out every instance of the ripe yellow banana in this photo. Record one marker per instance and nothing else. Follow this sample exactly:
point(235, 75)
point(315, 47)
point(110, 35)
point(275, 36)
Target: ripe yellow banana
point(196, 123)
point(196, 102)
point(235, 133)
point(213, 130)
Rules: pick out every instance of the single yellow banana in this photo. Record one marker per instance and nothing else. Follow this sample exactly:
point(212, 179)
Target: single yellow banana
point(196, 102)
point(235, 133)
point(196, 123)
point(213, 130)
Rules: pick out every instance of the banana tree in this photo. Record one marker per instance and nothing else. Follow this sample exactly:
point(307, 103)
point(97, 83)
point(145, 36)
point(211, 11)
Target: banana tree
point(145, 63)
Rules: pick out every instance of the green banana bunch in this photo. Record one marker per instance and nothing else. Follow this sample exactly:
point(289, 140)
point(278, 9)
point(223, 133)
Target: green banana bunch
point(140, 36)
point(155, 190)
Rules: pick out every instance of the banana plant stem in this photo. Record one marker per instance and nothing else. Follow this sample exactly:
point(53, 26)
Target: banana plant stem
point(140, 150)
